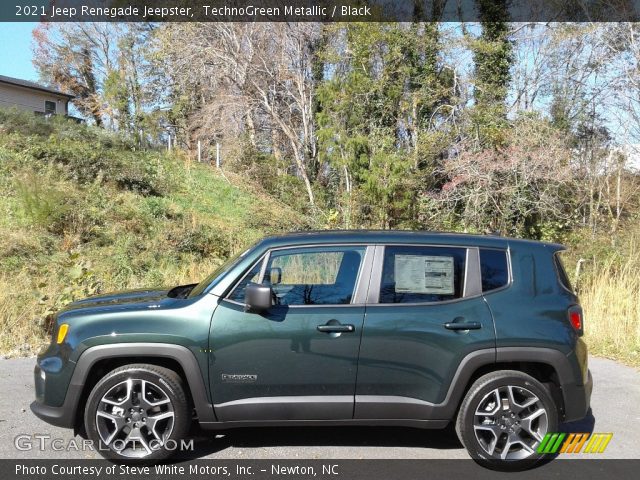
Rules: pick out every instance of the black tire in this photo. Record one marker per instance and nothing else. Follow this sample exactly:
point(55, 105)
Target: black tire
point(165, 395)
point(506, 424)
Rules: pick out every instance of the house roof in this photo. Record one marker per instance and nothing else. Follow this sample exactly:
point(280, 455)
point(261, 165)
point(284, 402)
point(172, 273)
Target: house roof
point(33, 86)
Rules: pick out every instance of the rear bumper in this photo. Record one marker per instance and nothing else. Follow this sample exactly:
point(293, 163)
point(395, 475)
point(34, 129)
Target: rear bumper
point(577, 399)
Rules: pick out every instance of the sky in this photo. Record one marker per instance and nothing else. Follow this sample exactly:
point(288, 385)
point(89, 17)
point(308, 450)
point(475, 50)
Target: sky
point(15, 50)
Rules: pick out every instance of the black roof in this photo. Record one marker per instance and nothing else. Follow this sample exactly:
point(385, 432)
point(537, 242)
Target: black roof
point(400, 236)
point(32, 85)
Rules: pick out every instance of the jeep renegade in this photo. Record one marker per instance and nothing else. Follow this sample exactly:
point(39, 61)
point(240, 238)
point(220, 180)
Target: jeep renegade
point(412, 329)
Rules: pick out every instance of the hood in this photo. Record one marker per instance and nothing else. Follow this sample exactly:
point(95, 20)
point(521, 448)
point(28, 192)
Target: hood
point(134, 299)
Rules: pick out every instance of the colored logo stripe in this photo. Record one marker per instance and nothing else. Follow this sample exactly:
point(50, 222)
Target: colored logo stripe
point(552, 442)
point(598, 442)
point(574, 443)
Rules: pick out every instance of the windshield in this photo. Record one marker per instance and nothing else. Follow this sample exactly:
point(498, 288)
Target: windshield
point(202, 286)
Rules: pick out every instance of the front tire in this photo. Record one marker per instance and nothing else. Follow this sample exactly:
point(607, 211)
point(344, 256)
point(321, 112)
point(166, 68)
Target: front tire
point(504, 417)
point(138, 413)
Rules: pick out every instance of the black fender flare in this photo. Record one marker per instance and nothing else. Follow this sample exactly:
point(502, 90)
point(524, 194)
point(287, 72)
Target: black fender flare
point(65, 415)
point(485, 358)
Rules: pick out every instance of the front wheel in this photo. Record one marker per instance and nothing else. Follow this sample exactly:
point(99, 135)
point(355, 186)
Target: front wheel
point(138, 413)
point(504, 417)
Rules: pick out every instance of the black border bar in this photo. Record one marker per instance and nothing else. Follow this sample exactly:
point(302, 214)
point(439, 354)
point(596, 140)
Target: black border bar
point(316, 10)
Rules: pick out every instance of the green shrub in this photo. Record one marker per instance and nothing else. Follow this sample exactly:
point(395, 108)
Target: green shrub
point(84, 154)
point(41, 204)
point(60, 209)
point(80, 282)
point(78, 161)
point(161, 208)
point(142, 173)
point(203, 241)
point(13, 120)
point(19, 249)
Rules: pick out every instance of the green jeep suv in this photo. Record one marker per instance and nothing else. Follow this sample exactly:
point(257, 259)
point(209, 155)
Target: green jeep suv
point(413, 329)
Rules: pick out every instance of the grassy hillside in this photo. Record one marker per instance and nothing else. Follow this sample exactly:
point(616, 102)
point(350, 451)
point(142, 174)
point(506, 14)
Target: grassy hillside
point(83, 212)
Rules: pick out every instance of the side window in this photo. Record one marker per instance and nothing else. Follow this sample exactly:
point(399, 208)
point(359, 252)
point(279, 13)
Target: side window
point(253, 276)
point(422, 274)
point(314, 276)
point(493, 268)
point(562, 273)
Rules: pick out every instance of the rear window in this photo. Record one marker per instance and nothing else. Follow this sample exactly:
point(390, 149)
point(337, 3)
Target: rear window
point(562, 273)
point(493, 268)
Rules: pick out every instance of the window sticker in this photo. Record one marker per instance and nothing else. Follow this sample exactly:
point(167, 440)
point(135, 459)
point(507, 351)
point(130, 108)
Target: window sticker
point(424, 274)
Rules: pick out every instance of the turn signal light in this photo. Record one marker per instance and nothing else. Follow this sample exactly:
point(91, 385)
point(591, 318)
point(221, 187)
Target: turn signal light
point(62, 333)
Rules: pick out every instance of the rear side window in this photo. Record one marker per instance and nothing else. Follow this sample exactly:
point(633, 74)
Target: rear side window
point(493, 268)
point(562, 273)
point(422, 274)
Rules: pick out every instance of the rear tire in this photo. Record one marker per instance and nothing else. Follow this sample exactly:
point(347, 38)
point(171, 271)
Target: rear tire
point(138, 413)
point(504, 417)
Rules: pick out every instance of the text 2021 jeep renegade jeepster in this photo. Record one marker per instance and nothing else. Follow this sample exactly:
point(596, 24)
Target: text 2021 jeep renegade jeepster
point(411, 329)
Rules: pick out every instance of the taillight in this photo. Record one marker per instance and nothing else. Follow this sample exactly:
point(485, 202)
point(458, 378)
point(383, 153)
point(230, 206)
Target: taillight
point(575, 318)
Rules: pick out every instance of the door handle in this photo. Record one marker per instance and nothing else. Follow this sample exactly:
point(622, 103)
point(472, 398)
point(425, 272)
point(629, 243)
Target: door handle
point(335, 328)
point(463, 326)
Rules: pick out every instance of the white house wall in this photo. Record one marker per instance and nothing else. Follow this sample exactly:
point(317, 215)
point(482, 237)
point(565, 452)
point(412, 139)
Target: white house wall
point(27, 99)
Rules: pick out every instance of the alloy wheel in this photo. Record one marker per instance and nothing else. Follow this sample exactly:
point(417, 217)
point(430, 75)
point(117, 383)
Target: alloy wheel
point(510, 422)
point(135, 418)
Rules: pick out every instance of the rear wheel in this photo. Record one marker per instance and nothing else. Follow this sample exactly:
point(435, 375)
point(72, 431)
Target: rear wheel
point(137, 412)
point(504, 417)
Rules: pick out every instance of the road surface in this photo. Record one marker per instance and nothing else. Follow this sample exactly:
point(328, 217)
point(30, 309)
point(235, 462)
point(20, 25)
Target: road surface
point(615, 408)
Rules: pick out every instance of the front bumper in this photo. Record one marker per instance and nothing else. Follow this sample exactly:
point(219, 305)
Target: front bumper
point(60, 416)
point(577, 399)
point(57, 416)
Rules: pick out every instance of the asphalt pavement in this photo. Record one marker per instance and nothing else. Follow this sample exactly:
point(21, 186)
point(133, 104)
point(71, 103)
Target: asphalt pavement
point(615, 408)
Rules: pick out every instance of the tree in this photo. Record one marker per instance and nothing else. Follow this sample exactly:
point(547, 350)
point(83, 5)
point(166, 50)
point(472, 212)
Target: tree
point(247, 79)
point(75, 58)
point(493, 57)
point(383, 94)
point(520, 188)
point(104, 66)
point(285, 90)
point(492, 54)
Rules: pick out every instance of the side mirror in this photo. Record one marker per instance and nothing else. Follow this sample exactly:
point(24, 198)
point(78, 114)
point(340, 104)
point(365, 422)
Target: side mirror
point(275, 275)
point(258, 297)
